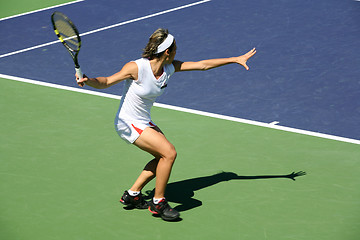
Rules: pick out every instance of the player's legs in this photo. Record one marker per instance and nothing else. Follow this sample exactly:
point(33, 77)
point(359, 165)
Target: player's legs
point(148, 173)
point(155, 143)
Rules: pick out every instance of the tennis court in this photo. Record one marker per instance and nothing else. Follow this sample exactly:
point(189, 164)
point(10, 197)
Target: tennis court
point(238, 134)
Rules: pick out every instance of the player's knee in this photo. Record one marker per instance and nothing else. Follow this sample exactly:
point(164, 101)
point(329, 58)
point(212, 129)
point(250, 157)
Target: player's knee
point(171, 153)
point(174, 154)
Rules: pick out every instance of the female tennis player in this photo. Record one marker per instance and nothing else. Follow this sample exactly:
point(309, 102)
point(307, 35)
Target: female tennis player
point(145, 80)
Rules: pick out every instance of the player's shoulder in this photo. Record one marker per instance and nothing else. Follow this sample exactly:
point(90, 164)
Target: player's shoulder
point(177, 65)
point(131, 66)
point(130, 70)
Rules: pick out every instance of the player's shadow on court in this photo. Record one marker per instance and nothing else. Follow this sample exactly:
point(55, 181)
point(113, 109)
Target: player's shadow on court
point(182, 192)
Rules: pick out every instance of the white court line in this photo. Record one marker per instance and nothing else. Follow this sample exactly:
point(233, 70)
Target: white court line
point(43, 9)
point(109, 27)
point(197, 112)
point(145, 17)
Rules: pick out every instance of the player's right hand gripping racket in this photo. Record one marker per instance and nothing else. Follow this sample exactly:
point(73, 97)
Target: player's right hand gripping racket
point(68, 34)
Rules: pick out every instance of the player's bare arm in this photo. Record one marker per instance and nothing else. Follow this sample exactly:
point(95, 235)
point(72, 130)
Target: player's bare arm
point(129, 71)
point(213, 63)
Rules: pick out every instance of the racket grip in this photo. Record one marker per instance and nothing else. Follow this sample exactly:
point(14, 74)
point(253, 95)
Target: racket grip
point(80, 75)
point(79, 72)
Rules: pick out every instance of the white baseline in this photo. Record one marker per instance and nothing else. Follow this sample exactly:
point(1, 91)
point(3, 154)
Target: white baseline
point(181, 109)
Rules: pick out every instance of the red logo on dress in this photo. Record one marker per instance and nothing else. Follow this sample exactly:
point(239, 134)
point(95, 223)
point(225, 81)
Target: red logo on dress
point(137, 129)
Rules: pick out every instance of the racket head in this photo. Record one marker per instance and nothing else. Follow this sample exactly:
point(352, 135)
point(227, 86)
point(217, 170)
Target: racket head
point(67, 32)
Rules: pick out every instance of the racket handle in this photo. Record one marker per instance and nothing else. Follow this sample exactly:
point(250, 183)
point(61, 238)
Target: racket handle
point(80, 74)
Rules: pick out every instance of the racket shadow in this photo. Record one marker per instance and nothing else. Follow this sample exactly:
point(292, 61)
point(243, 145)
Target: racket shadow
point(182, 192)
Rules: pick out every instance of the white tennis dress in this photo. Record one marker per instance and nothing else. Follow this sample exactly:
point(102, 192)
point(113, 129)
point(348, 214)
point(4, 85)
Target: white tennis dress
point(138, 97)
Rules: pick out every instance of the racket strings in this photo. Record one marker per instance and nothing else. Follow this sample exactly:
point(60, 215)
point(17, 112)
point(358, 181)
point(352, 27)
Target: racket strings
point(66, 33)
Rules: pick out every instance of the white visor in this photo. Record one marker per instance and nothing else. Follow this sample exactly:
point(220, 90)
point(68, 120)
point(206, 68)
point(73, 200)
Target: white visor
point(165, 44)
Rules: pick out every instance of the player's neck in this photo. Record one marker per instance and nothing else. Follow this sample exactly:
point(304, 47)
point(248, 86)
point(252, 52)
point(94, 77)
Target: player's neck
point(157, 67)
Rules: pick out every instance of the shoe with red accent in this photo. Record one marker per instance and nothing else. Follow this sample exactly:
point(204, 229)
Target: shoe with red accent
point(164, 210)
point(134, 201)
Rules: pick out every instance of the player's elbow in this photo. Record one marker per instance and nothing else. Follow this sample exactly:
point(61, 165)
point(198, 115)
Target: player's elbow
point(203, 67)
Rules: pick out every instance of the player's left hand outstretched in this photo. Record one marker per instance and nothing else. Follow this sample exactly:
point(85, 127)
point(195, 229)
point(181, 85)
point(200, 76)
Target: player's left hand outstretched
point(243, 58)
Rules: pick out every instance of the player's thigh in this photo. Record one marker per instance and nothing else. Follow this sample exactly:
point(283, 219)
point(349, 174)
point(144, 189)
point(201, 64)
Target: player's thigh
point(155, 143)
point(156, 128)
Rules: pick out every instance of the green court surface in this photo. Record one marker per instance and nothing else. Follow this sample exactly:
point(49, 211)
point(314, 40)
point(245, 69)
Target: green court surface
point(14, 7)
point(63, 170)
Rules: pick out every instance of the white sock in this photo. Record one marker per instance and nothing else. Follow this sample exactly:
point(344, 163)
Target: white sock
point(133, 193)
point(157, 200)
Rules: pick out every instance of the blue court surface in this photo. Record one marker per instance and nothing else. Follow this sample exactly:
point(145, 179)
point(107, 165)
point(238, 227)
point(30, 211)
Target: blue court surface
point(305, 74)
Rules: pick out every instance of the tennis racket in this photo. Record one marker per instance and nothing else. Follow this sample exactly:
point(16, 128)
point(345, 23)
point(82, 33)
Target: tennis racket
point(68, 34)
